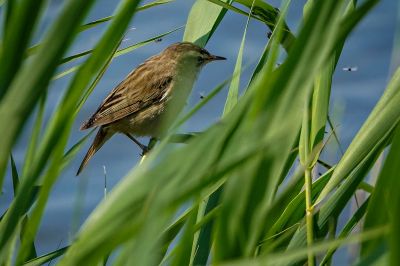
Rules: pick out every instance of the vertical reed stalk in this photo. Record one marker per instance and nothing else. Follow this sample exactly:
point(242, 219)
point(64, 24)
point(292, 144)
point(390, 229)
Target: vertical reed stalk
point(309, 215)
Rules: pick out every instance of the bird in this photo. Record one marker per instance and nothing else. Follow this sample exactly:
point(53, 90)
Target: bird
point(150, 97)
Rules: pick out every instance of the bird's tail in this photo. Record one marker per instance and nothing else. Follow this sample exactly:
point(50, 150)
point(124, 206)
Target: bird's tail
point(101, 137)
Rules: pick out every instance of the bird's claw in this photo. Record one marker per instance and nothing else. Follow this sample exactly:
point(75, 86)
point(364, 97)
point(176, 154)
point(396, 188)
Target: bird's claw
point(145, 150)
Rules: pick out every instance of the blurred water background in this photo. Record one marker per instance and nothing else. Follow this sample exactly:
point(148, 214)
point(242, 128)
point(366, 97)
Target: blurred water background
point(369, 49)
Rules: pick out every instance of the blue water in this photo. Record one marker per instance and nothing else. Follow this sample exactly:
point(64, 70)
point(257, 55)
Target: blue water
point(354, 94)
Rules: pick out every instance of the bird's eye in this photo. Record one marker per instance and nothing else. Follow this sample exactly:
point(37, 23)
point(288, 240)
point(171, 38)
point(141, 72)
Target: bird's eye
point(200, 59)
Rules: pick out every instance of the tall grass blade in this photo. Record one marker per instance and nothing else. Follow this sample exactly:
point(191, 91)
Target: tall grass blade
point(233, 92)
point(270, 15)
point(31, 150)
point(346, 231)
point(386, 194)
point(21, 19)
point(200, 25)
point(14, 174)
point(33, 79)
point(383, 118)
point(41, 260)
point(184, 250)
point(31, 247)
point(60, 125)
point(202, 241)
point(286, 258)
point(8, 10)
point(62, 121)
point(332, 208)
point(232, 188)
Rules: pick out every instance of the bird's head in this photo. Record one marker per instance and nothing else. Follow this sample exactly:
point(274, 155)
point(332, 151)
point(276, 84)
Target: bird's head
point(190, 54)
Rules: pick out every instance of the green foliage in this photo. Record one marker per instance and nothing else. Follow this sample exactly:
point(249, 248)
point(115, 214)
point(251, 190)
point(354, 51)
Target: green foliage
point(241, 197)
point(200, 24)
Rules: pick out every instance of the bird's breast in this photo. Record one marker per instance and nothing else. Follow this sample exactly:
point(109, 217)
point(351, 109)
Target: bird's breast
point(183, 85)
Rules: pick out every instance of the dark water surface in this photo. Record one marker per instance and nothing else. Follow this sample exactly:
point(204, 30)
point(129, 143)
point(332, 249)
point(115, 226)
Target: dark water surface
point(353, 96)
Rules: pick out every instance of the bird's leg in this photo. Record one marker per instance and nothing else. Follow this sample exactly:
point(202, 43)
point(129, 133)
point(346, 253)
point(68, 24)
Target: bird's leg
point(144, 148)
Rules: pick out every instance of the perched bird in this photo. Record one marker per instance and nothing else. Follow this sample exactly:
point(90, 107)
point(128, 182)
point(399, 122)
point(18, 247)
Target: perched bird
point(150, 97)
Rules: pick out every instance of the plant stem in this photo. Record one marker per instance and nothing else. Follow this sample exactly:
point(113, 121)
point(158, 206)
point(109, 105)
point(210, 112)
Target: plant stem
point(309, 215)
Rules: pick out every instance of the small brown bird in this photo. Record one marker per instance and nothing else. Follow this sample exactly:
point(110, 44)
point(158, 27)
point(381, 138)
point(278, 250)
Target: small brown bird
point(150, 97)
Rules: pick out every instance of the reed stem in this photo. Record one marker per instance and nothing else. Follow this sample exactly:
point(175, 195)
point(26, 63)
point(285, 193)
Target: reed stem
point(309, 215)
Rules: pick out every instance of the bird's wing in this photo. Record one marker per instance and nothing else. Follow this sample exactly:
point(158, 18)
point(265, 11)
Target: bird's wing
point(140, 89)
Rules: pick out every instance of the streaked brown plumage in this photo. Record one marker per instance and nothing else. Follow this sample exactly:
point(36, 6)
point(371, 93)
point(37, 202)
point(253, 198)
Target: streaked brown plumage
point(139, 103)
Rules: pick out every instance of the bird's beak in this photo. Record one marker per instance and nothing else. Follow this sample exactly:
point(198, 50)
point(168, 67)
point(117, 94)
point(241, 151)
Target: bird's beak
point(215, 58)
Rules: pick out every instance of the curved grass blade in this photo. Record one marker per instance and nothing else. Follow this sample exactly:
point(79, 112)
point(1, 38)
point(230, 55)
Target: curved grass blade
point(140, 8)
point(185, 248)
point(285, 258)
point(31, 150)
point(286, 70)
point(383, 118)
point(33, 79)
point(202, 242)
point(386, 194)
point(41, 260)
point(9, 8)
point(62, 120)
point(235, 9)
point(267, 69)
point(117, 54)
point(21, 19)
point(332, 208)
point(201, 25)
point(99, 76)
point(59, 160)
point(67, 157)
point(354, 220)
point(14, 173)
point(57, 132)
point(33, 49)
point(294, 211)
point(316, 115)
point(23, 95)
point(270, 15)
point(30, 226)
point(313, 127)
point(233, 92)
